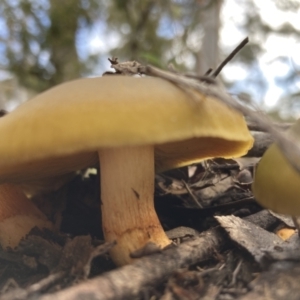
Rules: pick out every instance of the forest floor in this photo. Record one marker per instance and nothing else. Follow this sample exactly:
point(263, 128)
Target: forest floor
point(225, 246)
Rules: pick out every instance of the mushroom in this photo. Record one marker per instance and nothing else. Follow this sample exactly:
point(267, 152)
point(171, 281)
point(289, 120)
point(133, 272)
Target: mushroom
point(135, 126)
point(276, 183)
point(18, 215)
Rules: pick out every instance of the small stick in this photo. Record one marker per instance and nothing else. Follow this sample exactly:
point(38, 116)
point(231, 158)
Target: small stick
point(191, 194)
point(289, 145)
point(236, 272)
point(229, 57)
point(2, 112)
point(208, 72)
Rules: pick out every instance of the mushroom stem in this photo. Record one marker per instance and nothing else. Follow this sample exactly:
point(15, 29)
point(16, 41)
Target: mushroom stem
point(18, 215)
point(127, 188)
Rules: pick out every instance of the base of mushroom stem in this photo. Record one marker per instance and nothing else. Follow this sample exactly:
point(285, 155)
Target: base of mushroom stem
point(130, 244)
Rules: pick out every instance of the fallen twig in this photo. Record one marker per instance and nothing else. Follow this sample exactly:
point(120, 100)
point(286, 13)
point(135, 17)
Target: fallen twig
point(38, 287)
point(129, 281)
point(229, 57)
point(289, 145)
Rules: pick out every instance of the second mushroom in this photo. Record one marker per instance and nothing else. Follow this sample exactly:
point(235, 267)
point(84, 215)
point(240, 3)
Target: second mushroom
point(135, 126)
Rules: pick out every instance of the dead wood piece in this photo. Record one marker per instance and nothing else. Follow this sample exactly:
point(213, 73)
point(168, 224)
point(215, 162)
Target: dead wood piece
point(249, 236)
point(284, 218)
point(144, 273)
point(263, 219)
point(287, 251)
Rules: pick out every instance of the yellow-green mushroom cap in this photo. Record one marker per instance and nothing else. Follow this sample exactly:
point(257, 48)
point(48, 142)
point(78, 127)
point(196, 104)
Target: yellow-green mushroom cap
point(62, 129)
point(276, 183)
